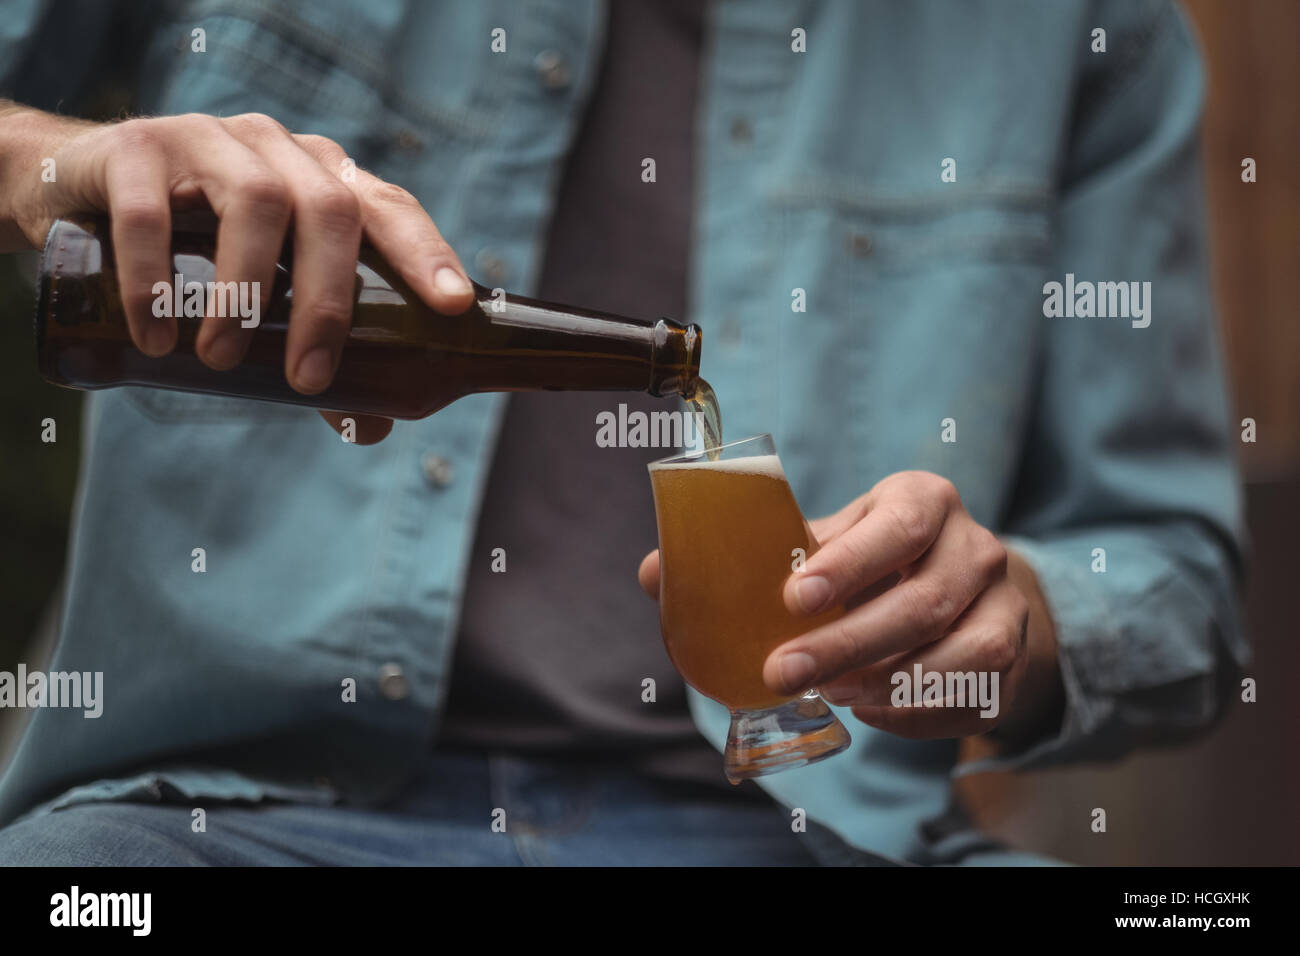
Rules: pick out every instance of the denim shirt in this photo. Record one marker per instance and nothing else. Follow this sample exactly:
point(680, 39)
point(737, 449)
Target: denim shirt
point(819, 170)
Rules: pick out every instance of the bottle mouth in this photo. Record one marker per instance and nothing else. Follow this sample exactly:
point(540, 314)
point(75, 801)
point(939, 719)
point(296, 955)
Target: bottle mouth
point(676, 362)
point(693, 337)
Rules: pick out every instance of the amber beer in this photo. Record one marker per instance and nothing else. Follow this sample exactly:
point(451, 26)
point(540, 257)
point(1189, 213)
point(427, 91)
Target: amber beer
point(400, 360)
point(728, 534)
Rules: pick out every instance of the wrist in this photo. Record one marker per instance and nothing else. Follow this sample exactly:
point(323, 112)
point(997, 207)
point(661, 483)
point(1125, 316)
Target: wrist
point(28, 137)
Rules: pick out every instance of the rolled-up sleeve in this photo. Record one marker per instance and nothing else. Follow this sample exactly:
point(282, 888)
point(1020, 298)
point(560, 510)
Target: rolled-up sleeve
point(1128, 505)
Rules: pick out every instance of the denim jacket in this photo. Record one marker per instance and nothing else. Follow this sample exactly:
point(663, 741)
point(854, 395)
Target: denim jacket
point(831, 171)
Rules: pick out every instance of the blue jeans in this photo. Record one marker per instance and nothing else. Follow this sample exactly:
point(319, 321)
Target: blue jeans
point(554, 814)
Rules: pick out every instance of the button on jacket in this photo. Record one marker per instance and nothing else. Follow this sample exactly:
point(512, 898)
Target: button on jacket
point(819, 170)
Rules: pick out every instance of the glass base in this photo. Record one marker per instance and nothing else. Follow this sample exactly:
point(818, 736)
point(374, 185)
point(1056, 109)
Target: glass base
point(794, 734)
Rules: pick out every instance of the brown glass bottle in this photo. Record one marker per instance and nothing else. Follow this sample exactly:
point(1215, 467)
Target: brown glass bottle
point(401, 359)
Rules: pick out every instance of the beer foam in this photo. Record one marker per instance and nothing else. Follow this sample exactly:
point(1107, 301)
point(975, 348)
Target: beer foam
point(769, 465)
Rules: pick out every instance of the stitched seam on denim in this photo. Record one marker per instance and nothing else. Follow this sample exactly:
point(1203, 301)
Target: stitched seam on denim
point(369, 623)
point(851, 195)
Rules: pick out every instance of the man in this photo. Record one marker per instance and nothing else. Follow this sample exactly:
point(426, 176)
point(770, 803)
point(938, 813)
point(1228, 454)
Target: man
point(863, 204)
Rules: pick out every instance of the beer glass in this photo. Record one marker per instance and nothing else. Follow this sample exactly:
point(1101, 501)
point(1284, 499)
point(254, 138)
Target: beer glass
point(730, 533)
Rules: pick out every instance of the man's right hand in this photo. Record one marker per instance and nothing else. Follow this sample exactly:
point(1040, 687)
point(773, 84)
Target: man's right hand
point(259, 179)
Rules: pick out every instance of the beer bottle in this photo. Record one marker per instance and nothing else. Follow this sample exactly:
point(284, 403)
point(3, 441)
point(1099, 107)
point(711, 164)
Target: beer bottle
point(401, 359)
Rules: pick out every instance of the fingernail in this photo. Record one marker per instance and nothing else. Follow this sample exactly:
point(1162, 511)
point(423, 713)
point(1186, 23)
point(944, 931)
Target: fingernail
point(450, 282)
point(797, 670)
point(315, 369)
point(157, 338)
point(837, 695)
point(225, 350)
point(812, 593)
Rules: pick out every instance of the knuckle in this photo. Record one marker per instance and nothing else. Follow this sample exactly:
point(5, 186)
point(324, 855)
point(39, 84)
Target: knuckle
point(928, 605)
point(328, 314)
point(913, 527)
point(381, 192)
point(942, 489)
point(266, 193)
point(140, 215)
point(199, 124)
point(137, 135)
point(335, 208)
point(258, 125)
point(1000, 646)
point(321, 147)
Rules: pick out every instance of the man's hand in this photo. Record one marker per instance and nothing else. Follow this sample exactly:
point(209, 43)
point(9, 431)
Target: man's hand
point(921, 582)
point(260, 180)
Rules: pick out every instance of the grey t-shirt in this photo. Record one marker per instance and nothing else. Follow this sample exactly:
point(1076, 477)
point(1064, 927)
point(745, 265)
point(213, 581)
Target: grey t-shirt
point(552, 653)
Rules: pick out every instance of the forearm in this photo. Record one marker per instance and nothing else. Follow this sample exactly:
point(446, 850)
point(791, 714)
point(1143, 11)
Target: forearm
point(27, 138)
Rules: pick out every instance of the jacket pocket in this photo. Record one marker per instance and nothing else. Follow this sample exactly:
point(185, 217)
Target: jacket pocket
point(997, 220)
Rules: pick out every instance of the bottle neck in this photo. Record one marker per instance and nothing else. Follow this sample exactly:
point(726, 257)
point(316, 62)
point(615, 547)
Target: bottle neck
point(527, 343)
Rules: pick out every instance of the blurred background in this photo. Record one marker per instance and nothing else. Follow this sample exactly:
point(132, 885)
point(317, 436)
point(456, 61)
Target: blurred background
point(1232, 797)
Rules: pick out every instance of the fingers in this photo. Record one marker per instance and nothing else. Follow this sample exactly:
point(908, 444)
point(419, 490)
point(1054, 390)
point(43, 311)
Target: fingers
point(135, 190)
point(832, 526)
point(365, 429)
point(402, 232)
point(902, 520)
point(259, 179)
point(253, 201)
point(979, 665)
point(962, 563)
point(326, 239)
point(648, 574)
point(406, 237)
